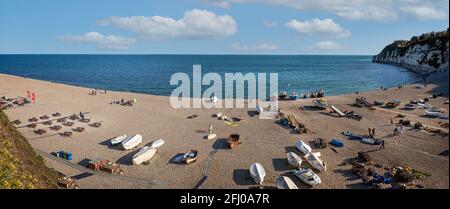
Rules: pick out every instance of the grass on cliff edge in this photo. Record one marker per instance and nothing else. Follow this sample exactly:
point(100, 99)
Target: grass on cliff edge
point(20, 166)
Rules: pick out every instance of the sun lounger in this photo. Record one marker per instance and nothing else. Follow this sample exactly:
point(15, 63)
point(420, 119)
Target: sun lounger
point(339, 112)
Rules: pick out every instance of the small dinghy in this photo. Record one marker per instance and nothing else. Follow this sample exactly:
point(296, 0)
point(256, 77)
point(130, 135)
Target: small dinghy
point(144, 154)
point(314, 160)
point(368, 140)
point(347, 133)
point(293, 159)
point(284, 182)
point(337, 143)
point(308, 176)
point(157, 143)
point(432, 113)
point(131, 142)
point(257, 172)
point(303, 147)
point(187, 158)
point(118, 139)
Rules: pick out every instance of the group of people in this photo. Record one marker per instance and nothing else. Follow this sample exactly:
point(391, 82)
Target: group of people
point(94, 92)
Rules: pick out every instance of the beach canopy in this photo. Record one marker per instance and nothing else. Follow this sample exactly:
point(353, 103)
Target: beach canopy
point(336, 143)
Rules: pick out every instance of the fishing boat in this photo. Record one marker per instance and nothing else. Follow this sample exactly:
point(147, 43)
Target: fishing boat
point(282, 95)
point(293, 159)
point(144, 154)
point(293, 96)
point(303, 147)
point(314, 160)
point(257, 172)
point(118, 139)
point(432, 113)
point(131, 142)
point(284, 182)
point(157, 143)
point(308, 176)
point(321, 103)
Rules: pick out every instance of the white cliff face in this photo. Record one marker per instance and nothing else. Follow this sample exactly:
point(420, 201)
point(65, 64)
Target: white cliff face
point(419, 58)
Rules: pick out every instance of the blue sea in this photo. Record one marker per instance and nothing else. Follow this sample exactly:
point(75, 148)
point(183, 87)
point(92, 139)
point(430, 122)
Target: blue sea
point(151, 74)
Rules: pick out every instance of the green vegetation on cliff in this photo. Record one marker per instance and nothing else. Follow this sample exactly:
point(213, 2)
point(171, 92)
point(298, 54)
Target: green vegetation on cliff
point(20, 166)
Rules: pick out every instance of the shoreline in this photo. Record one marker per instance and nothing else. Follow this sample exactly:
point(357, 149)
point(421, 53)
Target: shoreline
point(264, 141)
point(163, 95)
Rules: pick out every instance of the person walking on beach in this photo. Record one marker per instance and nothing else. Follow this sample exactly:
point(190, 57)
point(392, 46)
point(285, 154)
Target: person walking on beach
point(382, 145)
point(370, 132)
point(401, 129)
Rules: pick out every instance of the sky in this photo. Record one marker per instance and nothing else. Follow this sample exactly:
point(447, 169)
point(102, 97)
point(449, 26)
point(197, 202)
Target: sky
point(341, 27)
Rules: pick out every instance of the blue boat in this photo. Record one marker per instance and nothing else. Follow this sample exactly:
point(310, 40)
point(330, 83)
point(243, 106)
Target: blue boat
point(336, 143)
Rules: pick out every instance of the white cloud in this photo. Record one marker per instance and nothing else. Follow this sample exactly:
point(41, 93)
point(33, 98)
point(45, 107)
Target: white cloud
point(194, 24)
point(425, 13)
point(328, 46)
point(254, 48)
point(326, 27)
point(378, 10)
point(100, 41)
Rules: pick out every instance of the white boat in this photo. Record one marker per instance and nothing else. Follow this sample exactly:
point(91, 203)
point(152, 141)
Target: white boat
point(293, 159)
point(368, 140)
point(118, 139)
point(308, 176)
point(314, 160)
point(321, 103)
point(303, 147)
point(157, 143)
point(257, 172)
point(432, 113)
point(284, 182)
point(144, 154)
point(131, 142)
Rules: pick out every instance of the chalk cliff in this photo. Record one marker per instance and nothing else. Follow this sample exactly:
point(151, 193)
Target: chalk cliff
point(422, 54)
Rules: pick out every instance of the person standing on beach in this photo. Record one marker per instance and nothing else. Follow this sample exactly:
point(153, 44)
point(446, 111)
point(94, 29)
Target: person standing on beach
point(392, 122)
point(370, 132)
point(373, 132)
point(81, 115)
point(105, 91)
point(382, 145)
